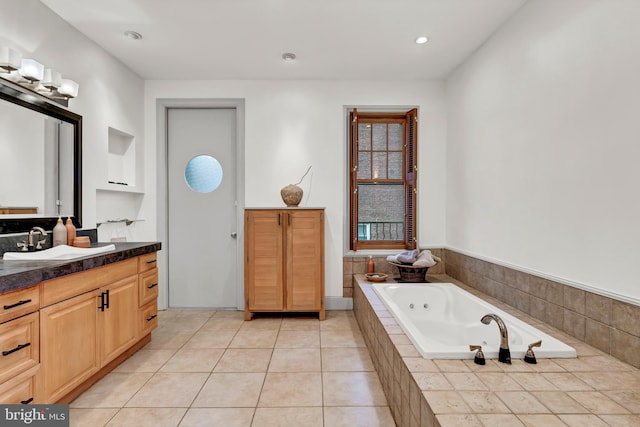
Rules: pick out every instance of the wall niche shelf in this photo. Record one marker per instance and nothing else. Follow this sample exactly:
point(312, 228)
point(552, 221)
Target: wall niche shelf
point(120, 188)
point(121, 160)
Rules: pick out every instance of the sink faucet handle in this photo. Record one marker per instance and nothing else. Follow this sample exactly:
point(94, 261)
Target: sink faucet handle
point(479, 357)
point(529, 356)
point(23, 246)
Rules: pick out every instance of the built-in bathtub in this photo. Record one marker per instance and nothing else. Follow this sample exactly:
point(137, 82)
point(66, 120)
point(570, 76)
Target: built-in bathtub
point(442, 320)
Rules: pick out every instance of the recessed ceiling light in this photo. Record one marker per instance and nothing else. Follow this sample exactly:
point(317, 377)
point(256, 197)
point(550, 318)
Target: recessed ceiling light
point(422, 39)
point(288, 56)
point(134, 35)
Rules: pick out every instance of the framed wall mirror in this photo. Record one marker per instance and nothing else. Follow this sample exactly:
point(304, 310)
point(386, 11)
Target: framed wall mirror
point(40, 162)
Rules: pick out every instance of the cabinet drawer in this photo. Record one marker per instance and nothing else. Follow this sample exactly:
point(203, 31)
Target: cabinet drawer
point(148, 318)
point(21, 389)
point(17, 303)
point(147, 261)
point(148, 286)
point(19, 346)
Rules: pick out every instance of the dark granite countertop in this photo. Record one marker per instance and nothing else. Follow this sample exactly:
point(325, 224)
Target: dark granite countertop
point(16, 275)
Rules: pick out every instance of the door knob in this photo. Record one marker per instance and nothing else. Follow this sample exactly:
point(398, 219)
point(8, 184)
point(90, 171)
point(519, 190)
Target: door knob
point(234, 235)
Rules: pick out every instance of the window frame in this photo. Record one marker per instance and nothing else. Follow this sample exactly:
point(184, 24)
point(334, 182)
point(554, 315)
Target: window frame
point(409, 120)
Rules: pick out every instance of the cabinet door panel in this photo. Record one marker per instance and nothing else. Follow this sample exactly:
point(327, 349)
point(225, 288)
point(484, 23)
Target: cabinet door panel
point(305, 263)
point(118, 324)
point(264, 284)
point(69, 346)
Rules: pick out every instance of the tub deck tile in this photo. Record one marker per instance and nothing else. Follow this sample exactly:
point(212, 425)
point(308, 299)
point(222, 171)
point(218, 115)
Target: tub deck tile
point(593, 389)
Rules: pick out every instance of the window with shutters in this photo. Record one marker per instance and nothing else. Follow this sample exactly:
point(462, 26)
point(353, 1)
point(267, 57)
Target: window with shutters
point(382, 184)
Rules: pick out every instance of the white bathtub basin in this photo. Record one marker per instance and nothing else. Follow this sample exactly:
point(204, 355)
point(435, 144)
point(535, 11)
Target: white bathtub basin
point(442, 320)
point(61, 252)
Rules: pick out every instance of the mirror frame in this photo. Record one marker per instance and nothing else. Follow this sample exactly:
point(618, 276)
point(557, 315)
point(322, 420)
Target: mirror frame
point(33, 102)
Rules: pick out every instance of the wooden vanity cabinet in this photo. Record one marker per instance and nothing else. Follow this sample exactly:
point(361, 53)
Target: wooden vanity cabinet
point(284, 264)
point(89, 321)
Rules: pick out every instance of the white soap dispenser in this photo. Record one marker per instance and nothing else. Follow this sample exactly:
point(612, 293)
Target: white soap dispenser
point(59, 233)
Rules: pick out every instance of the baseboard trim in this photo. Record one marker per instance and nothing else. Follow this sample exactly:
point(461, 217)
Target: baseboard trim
point(338, 303)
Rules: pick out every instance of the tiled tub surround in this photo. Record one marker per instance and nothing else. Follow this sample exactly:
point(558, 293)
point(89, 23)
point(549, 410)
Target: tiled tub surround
point(609, 325)
point(593, 390)
point(354, 264)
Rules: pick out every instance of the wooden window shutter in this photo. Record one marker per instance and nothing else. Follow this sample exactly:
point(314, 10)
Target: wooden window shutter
point(353, 193)
point(411, 168)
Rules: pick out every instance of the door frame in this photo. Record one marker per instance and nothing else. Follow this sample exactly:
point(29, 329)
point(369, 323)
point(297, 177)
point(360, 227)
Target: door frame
point(162, 201)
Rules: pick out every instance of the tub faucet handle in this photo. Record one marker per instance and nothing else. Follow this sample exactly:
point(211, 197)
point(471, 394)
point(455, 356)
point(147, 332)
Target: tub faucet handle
point(479, 357)
point(529, 357)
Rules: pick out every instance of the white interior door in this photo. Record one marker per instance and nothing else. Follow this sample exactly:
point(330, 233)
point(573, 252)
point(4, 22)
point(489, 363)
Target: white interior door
point(202, 244)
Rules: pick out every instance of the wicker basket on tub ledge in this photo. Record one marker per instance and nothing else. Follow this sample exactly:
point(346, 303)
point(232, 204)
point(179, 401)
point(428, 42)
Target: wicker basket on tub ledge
point(410, 273)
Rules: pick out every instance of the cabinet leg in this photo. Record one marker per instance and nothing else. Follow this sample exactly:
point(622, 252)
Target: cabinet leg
point(247, 314)
point(321, 314)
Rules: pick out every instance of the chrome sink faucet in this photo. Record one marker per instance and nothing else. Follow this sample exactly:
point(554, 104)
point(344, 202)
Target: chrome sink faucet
point(504, 355)
point(40, 241)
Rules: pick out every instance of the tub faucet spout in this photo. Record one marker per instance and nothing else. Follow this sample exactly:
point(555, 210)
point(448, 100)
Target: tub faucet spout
point(504, 355)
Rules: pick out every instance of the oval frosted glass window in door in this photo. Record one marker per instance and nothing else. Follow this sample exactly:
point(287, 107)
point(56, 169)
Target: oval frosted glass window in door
point(203, 174)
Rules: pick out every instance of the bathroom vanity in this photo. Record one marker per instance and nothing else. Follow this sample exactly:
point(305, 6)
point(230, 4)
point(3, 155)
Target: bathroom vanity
point(66, 324)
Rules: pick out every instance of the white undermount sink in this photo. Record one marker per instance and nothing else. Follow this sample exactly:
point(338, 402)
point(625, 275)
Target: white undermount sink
point(61, 252)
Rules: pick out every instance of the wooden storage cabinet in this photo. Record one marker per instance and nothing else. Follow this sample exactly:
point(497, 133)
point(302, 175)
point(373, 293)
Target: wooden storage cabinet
point(284, 264)
point(92, 321)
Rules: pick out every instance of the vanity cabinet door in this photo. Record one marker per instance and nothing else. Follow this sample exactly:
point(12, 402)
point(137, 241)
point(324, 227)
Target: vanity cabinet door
point(68, 345)
point(117, 318)
point(305, 261)
point(264, 261)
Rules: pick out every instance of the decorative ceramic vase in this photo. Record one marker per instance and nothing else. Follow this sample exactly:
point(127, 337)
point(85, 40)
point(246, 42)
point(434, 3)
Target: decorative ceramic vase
point(291, 195)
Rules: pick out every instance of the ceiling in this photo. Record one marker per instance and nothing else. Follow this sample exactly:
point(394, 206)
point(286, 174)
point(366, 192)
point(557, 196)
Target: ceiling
point(245, 39)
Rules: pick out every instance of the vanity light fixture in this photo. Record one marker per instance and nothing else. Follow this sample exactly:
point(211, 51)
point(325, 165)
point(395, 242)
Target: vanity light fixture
point(52, 79)
point(10, 59)
point(288, 56)
point(422, 40)
point(33, 76)
point(68, 88)
point(31, 70)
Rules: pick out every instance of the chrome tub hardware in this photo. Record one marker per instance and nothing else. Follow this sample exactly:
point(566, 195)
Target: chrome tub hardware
point(529, 357)
point(504, 355)
point(479, 357)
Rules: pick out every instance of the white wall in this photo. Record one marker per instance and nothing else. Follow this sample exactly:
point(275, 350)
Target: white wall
point(110, 94)
point(290, 125)
point(543, 145)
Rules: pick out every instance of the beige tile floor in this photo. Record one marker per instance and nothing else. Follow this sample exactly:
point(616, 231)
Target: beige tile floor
point(206, 368)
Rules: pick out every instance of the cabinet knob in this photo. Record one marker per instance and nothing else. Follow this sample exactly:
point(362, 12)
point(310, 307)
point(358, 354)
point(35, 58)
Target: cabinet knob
point(234, 235)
